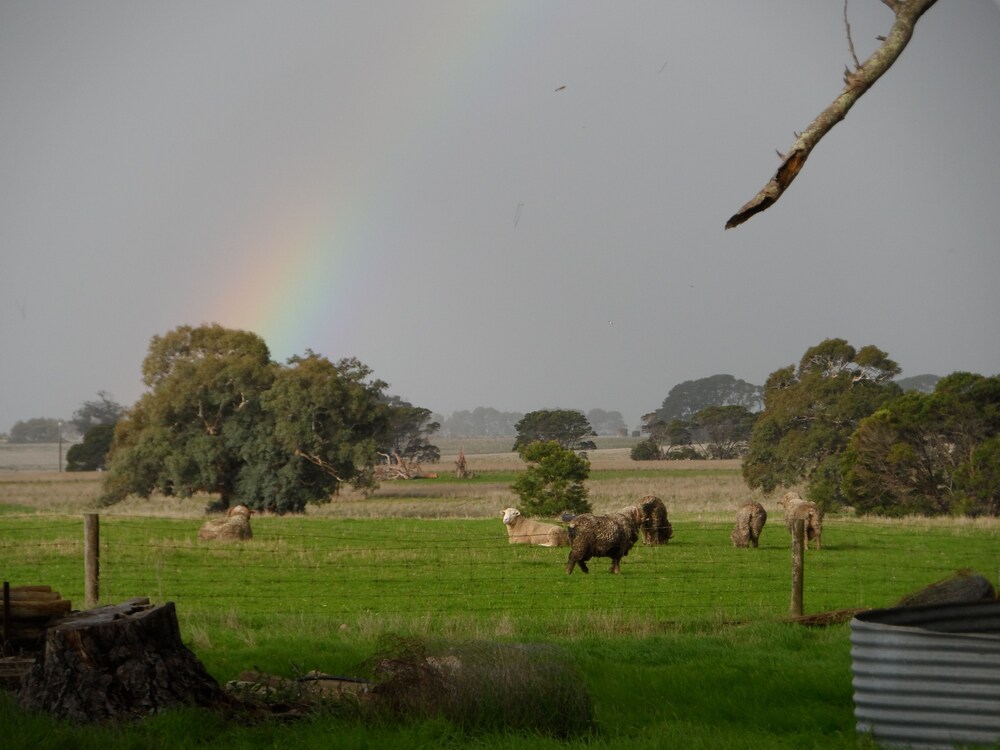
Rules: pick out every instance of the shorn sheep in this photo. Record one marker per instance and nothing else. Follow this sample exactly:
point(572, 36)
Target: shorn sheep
point(521, 530)
point(603, 536)
point(656, 529)
point(750, 520)
point(234, 527)
point(796, 508)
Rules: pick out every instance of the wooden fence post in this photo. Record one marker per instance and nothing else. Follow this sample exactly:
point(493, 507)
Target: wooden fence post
point(6, 613)
point(91, 559)
point(798, 558)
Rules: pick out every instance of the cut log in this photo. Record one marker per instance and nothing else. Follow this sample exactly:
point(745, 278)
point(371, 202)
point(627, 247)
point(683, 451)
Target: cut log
point(117, 662)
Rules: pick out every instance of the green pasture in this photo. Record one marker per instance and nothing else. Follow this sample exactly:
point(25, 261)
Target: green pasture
point(689, 647)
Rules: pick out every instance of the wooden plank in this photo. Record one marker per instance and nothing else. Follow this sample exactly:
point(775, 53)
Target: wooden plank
point(38, 610)
point(19, 595)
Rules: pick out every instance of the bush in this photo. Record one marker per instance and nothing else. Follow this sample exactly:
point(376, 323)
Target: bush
point(647, 450)
point(683, 453)
point(90, 455)
point(481, 685)
point(553, 481)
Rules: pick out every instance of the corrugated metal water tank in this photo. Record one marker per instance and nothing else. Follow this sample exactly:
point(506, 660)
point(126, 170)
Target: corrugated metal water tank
point(928, 677)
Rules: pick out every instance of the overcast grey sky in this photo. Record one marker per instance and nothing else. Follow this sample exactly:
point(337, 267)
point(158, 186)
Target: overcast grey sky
point(508, 204)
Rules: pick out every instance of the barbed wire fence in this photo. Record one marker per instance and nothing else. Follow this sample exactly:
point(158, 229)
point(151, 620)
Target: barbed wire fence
point(345, 571)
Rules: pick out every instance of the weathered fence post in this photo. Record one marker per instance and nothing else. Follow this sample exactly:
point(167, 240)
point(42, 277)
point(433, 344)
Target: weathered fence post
point(6, 612)
point(91, 562)
point(798, 557)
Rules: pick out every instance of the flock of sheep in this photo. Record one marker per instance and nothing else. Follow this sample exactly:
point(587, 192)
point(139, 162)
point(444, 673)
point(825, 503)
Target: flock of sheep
point(587, 535)
point(612, 535)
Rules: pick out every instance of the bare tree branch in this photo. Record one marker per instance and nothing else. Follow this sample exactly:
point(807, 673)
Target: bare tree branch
point(907, 12)
point(850, 40)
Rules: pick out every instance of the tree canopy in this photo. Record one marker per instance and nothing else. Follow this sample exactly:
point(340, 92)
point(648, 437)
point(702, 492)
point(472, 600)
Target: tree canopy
point(567, 427)
point(220, 417)
point(607, 422)
point(929, 454)
point(103, 410)
point(724, 430)
point(36, 430)
point(407, 442)
point(688, 398)
point(810, 413)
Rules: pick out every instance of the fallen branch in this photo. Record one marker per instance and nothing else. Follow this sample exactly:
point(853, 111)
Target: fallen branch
point(856, 83)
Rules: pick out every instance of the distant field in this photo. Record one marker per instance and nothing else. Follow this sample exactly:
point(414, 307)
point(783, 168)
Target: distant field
point(32, 456)
point(46, 456)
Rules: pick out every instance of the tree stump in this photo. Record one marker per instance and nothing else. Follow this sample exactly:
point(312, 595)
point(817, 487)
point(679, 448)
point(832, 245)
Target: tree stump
point(117, 662)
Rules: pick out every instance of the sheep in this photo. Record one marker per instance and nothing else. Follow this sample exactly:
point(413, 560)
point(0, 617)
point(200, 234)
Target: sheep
point(235, 526)
point(750, 520)
point(603, 536)
point(797, 508)
point(522, 530)
point(656, 529)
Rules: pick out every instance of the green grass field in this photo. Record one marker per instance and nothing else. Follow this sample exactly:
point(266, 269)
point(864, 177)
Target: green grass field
point(689, 647)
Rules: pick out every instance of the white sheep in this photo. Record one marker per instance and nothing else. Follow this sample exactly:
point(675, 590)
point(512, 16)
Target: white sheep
point(797, 508)
point(750, 520)
point(521, 530)
point(235, 526)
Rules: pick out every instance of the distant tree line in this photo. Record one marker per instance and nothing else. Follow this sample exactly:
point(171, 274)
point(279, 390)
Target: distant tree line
point(220, 417)
point(489, 422)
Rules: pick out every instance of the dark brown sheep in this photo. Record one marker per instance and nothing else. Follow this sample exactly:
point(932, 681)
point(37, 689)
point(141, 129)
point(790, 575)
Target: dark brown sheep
point(750, 520)
point(656, 529)
point(603, 536)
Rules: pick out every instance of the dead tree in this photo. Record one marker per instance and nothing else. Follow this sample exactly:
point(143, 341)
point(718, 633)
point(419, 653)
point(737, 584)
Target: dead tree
point(461, 468)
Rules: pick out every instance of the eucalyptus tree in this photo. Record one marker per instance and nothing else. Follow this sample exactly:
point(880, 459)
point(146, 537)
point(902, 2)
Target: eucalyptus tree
point(408, 435)
point(185, 434)
point(725, 429)
point(929, 453)
point(568, 427)
point(322, 425)
point(220, 417)
point(103, 410)
point(810, 413)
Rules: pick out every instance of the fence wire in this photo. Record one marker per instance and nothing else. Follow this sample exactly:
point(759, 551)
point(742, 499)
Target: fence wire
point(398, 569)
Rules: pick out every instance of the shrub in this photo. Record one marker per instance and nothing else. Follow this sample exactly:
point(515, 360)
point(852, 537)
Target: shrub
point(553, 481)
point(647, 450)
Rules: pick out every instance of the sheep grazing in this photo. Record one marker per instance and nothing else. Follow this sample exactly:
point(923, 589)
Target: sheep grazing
point(750, 520)
point(234, 527)
point(521, 530)
point(603, 536)
point(656, 529)
point(797, 508)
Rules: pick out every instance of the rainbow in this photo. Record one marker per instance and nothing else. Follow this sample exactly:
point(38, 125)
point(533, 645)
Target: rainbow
point(307, 265)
